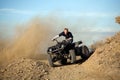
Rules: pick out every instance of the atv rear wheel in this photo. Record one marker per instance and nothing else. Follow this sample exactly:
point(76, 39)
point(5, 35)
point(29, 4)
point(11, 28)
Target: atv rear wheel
point(72, 56)
point(85, 52)
point(50, 60)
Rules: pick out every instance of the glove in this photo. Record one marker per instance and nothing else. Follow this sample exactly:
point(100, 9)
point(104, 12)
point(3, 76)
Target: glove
point(53, 39)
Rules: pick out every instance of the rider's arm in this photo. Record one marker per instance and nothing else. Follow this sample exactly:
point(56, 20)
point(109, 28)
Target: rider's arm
point(61, 34)
point(70, 36)
point(57, 36)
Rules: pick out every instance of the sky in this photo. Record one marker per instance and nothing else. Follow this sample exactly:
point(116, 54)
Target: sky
point(84, 15)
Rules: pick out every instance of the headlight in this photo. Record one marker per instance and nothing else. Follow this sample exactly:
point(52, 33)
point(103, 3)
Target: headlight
point(50, 50)
point(62, 46)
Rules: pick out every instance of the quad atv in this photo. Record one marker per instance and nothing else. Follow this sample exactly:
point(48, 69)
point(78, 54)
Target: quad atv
point(64, 51)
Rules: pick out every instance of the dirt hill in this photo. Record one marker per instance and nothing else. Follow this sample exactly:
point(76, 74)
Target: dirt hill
point(25, 69)
point(106, 59)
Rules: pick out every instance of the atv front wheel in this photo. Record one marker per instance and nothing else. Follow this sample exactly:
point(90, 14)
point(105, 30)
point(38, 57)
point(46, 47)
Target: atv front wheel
point(63, 61)
point(72, 56)
point(50, 60)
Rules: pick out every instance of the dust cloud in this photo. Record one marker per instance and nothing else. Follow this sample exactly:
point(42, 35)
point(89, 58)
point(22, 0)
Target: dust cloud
point(32, 38)
point(30, 41)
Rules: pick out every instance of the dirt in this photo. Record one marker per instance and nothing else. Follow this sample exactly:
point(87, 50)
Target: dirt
point(25, 69)
point(106, 58)
point(76, 72)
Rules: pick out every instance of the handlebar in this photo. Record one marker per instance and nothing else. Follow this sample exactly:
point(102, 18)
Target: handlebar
point(56, 40)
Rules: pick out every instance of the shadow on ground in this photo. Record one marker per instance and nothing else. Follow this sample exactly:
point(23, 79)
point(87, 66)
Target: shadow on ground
point(79, 61)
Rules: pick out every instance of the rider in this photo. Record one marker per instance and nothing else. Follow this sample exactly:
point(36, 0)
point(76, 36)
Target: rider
point(68, 35)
